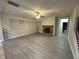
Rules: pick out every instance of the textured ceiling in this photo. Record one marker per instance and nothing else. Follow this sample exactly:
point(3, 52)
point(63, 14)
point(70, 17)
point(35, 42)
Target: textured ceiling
point(45, 7)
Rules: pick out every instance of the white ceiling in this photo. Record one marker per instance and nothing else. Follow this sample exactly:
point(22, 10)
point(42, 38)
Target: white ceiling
point(45, 7)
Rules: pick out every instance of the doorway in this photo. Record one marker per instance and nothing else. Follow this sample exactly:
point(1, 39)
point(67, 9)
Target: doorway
point(64, 28)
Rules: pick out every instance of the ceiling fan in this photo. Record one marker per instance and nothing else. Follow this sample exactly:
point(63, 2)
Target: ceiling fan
point(38, 15)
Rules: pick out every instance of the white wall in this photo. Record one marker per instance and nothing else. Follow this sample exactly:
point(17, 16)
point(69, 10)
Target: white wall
point(49, 21)
point(72, 35)
point(1, 34)
point(17, 26)
point(39, 26)
point(16, 22)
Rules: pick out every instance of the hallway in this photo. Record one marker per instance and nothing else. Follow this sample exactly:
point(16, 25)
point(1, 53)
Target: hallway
point(38, 46)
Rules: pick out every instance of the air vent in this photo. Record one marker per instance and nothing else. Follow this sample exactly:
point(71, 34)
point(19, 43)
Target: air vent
point(13, 3)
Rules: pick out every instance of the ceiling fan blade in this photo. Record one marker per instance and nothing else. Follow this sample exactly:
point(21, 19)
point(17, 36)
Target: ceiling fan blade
point(42, 16)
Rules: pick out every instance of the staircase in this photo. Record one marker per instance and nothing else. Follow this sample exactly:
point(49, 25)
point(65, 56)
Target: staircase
point(77, 31)
point(78, 44)
point(77, 35)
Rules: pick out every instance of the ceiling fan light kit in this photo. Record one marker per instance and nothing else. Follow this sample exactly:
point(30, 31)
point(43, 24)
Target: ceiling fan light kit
point(38, 17)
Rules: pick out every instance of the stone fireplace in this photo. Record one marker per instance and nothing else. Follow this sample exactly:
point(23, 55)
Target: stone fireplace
point(48, 29)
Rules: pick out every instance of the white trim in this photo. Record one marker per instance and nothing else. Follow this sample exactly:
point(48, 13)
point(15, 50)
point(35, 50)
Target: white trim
point(75, 50)
point(21, 35)
point(71, 47)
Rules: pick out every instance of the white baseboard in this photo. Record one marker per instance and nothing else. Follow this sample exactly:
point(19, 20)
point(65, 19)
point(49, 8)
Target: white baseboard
point(21, 35)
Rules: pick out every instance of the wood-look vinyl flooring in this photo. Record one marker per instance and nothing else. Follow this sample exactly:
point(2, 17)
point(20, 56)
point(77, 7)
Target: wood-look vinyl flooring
point(38, 46)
